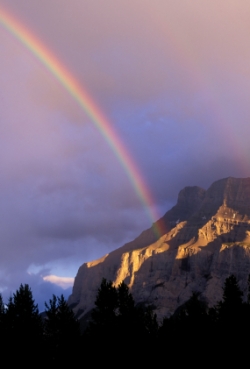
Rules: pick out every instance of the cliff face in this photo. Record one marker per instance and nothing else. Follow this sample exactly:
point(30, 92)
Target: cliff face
point(207, 238)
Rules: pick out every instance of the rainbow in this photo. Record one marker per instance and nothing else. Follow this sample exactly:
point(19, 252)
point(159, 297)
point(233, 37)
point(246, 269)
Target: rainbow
point(67, 80)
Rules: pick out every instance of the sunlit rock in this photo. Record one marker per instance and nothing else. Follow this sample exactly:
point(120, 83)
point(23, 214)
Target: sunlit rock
point(206, 238)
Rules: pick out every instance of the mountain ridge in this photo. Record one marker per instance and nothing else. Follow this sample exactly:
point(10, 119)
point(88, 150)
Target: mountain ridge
point(206, 238)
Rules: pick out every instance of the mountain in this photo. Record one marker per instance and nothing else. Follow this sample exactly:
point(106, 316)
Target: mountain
point(206, 238)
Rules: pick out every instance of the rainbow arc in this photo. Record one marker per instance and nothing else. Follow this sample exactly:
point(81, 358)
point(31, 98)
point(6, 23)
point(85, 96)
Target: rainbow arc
point(80, 95)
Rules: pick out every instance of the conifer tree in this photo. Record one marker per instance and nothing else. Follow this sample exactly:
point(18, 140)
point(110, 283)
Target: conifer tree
point(22, 320)
point(116, 315)
point(2, 317)
point(2, 310)
point(232, 297)
point(106, 304)
point(230, 311)
point(62, 330)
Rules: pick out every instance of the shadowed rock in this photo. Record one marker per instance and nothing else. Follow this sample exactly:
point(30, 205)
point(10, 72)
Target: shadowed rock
point(206, 238)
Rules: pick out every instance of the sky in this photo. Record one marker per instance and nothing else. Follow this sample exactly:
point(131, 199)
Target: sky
point(171, 79)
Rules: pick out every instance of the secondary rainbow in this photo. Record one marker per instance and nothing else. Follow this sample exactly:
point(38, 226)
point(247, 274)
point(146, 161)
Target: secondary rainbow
point(67, 80)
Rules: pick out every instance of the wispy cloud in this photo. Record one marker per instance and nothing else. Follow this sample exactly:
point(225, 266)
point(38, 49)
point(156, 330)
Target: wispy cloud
point(64, 282)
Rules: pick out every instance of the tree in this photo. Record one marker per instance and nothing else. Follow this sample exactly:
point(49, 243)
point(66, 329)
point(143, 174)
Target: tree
point(189, 319)
point(22, 311)
point(116, 315)
point(232, 297)
point(248, 295)
point(231, 310)
point(2, 318)
point(126, 304)
point(2, 310)
point(62, 329)
point(106, 304)
point(23, 323)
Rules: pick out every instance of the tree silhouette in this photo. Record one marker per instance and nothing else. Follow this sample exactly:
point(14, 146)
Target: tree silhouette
point(232, 298)
point(106, 304)
point(126, 302)
point(2, 321)
point(62, 330)
point(116, 315)
point(2, 310)
point(231, 314)
point(23, 324)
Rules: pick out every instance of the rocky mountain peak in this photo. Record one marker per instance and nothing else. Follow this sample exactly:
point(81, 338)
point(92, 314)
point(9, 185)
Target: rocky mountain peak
point(190, 195)
point(206, 238)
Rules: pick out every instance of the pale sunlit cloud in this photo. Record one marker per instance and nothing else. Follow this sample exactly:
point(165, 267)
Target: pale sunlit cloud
point(64, 282)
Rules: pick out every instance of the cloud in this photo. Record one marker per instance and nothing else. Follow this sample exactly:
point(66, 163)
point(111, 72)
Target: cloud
point(42, 290)
point(64, 282)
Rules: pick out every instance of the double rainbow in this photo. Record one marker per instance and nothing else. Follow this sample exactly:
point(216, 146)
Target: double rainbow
point(67, 80)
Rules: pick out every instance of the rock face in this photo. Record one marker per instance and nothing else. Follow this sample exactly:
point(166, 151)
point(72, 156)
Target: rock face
point(206, 238)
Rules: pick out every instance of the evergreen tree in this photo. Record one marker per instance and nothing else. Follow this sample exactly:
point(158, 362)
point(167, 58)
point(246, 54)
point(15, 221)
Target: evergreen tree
point(2, 310)
point(190, 319)
point(103, 317)
point(248, 295)
point(23, 323)
point(232, 301)
point(2, 319)
point(126, 304)
point(116, 315)
point(106, 304)
point(62, 330)
point(231, 314)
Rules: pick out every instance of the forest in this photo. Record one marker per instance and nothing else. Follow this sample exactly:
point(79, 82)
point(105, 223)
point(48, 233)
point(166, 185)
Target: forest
point(117, 324)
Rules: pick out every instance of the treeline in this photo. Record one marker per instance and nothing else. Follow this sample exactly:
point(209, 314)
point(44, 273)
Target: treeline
point(37, 338)
point(194, 328)
point(117, 323)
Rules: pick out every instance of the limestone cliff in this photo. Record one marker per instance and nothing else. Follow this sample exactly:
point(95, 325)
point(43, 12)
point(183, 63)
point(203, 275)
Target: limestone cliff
point(206, 238)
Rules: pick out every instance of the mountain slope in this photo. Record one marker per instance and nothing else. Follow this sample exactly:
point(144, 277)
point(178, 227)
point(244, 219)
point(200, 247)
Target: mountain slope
point(206, 238)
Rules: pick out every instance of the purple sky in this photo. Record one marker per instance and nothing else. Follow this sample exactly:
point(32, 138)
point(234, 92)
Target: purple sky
point(173, 78)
